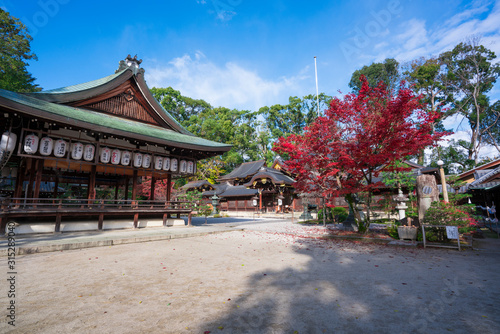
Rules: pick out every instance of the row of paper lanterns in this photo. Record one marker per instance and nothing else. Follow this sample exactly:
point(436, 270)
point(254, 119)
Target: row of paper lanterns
point(46, 146)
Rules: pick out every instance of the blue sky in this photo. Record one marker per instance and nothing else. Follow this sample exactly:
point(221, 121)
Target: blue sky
point(240, 53)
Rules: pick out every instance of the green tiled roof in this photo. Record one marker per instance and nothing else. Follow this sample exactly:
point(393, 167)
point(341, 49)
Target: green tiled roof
point(103, 122)
point(82, 86)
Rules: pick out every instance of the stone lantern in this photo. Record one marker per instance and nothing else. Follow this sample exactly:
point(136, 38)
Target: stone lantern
point(305, 202)
point(215, 202)
point(401, 206)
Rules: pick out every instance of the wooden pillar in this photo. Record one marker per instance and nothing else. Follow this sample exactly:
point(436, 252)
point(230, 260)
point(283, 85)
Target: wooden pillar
point(92, 183)
point(38, 179)
point(136, 220)
point(58, 223)
point(127, 180)
point(260, 201)
point(117, 188)
point(100, 222)
point(18, 192)
point(169, 187)
point(56, 187)
point(29, 190)
point(134, 185)
point(153, 185)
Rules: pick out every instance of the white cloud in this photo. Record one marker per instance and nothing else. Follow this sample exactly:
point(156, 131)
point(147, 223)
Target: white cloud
point(416, 39)
point(229, 85)
point(415, 35)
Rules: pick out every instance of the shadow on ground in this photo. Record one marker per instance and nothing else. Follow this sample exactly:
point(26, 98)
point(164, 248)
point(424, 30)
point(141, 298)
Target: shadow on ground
point(352, 288)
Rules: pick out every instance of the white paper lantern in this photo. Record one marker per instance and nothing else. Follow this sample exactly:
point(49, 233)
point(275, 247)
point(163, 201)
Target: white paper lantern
point(46, 146)
point(88, 152)
point(158, 163)
point(166, 163)
point(137, 160)
point(60, 148)
point(116, 155)
point(126, 155)
point(183, 167)
point(105, 155)
point(146, 161)
point(31, 144)
point(76, 151)
point(190, 167)
point(8, 142)
point(173, 165)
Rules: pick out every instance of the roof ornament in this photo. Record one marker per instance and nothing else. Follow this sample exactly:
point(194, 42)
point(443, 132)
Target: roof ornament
point(133, 61)
point(129, 62)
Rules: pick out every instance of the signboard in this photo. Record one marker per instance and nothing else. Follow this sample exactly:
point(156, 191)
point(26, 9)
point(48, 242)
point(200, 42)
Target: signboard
point(452, 232)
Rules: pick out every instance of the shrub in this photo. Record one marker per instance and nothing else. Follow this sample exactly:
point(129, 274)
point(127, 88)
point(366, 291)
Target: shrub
point(392, 230)
point(441, 213)
point(340, 214)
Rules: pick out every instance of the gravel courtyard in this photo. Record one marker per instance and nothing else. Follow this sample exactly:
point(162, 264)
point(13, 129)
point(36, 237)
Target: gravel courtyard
point(270, 278)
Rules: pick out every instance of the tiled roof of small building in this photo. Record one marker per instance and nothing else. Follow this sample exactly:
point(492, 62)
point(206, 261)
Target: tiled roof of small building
point(244, 170)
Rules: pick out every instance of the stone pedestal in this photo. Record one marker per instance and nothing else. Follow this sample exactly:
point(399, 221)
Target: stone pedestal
point(427, 192)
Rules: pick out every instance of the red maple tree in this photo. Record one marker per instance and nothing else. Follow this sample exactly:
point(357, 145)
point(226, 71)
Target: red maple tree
point(341, 153)
point(161, 186)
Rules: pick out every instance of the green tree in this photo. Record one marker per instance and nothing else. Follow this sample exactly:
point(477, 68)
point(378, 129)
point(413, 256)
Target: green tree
point(454, 157)
point(490, 125)
point(471, 74)
point(182, 108)
point(387, 72)
point(425, 77)
point(283, 120)
point(15, 52)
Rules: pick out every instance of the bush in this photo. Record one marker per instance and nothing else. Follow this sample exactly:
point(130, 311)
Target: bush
point(336, 214)
point(340, 214)
point(392, 230)
point(441, 213)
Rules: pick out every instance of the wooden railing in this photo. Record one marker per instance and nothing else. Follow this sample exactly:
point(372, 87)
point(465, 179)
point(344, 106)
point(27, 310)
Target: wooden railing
point(8, 204)
point(39, 207)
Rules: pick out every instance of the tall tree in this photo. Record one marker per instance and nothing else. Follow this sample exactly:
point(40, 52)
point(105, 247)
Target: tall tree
point(425, 77)
point(179, 106)
point(229, 126)
point(471, 74)
point(490, 125)
point(387, 72)
point(341, 154)
point(15, 52)
point(283, 120)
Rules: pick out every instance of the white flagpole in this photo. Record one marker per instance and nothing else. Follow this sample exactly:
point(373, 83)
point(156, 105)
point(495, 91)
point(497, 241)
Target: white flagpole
point(317, 93)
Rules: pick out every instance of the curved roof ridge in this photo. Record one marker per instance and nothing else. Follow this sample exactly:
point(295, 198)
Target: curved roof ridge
point(81, 86)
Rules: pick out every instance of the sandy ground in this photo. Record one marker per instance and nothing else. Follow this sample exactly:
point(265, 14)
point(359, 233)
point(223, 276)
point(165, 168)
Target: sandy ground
point(268, 279)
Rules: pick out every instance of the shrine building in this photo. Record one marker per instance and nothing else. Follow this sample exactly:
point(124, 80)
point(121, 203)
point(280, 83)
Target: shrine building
point(95, 138)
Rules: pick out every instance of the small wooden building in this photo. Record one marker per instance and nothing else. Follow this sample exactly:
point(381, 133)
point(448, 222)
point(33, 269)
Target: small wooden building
point(105, 134)
point(483, 183)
